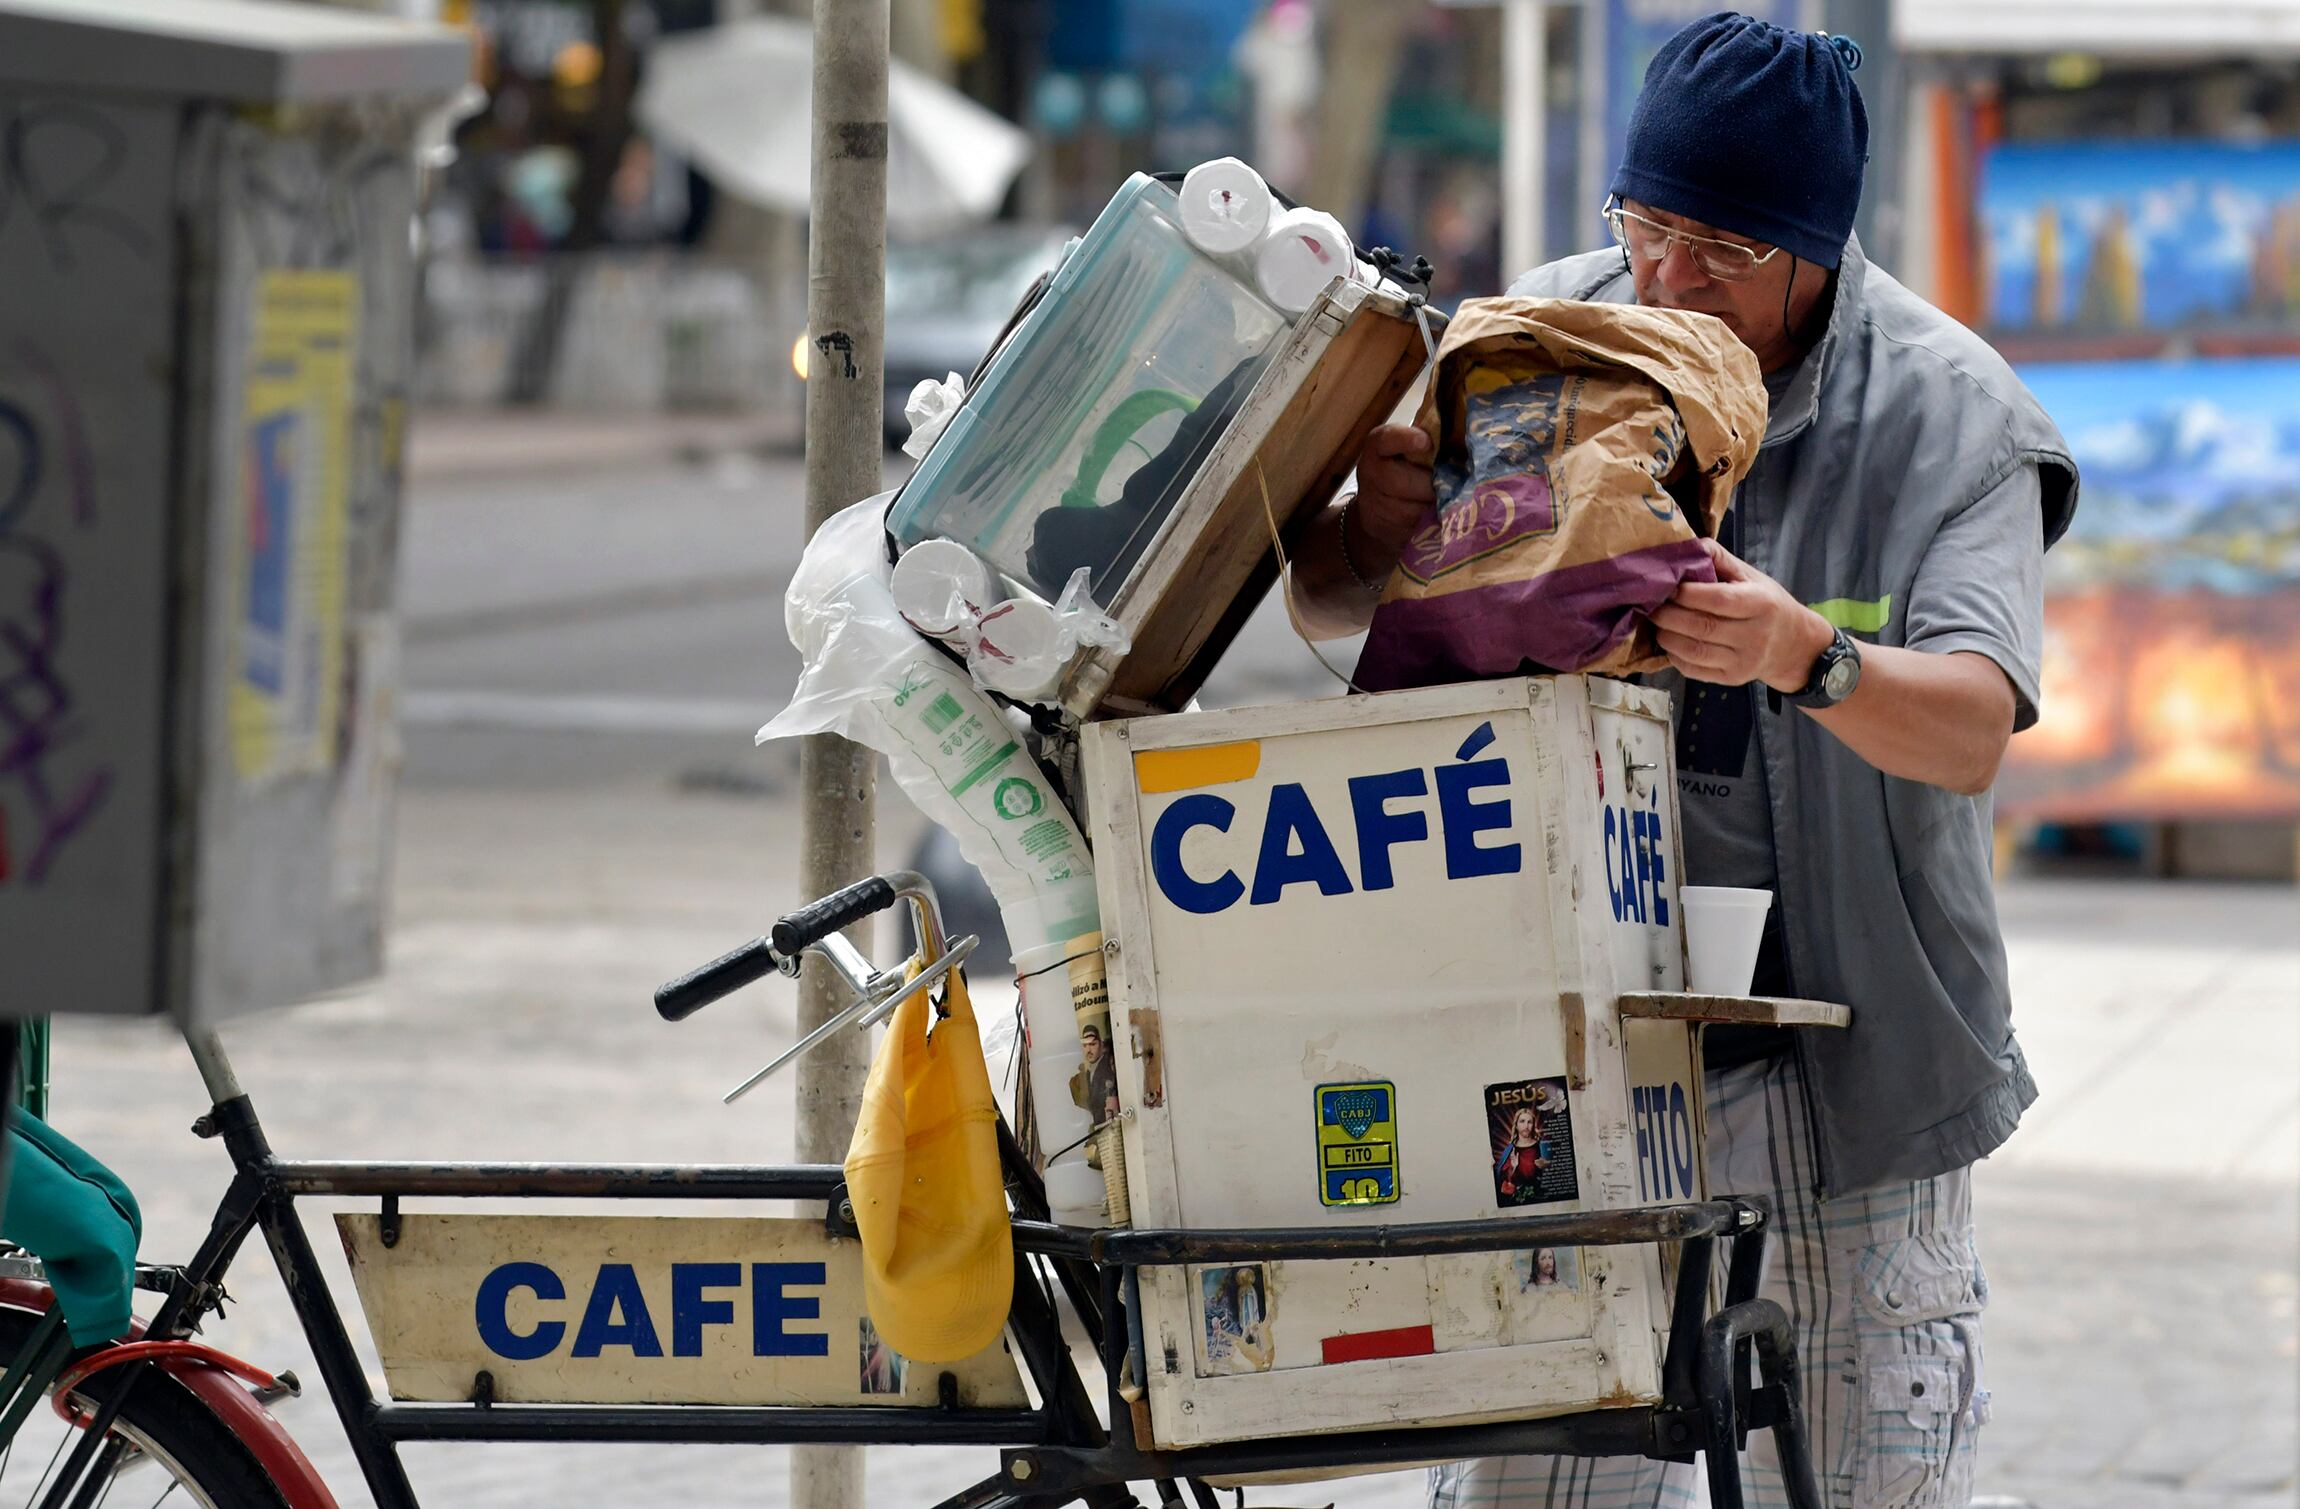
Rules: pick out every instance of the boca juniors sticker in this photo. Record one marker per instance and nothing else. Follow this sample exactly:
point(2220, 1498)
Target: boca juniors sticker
point(1358, 1143)
point(1529, 1128)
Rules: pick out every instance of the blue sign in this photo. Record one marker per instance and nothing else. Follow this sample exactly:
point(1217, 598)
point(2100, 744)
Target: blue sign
point(274, 443)
point(1636, 867)
point(1664, 1121)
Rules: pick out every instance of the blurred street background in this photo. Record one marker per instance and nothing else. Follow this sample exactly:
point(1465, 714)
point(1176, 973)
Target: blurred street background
point(594, 444)
point(2110, 192)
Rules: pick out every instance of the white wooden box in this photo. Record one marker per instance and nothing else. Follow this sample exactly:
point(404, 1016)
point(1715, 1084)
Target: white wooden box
point(1441, 894)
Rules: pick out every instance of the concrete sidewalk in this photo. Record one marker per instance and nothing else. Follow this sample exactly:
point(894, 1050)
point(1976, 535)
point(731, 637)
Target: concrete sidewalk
point(2140, 1232)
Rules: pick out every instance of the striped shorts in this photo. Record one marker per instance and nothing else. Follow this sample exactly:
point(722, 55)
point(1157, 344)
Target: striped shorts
point(1884, 1291)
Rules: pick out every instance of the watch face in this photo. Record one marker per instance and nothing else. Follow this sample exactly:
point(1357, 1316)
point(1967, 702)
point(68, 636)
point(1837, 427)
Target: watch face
point(1842, 677)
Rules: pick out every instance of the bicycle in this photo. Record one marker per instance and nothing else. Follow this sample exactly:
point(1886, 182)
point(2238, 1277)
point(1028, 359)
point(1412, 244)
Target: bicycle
point(200, 1417)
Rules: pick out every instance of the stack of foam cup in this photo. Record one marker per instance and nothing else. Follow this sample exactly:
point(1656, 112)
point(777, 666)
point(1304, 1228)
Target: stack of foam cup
point(1226, 207)
point(1304, 251)
point(1229, 213)
point(1014, 646)
point(1076, 1193)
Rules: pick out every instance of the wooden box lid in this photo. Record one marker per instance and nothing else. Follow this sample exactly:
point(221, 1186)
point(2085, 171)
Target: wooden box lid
point(1349, 361)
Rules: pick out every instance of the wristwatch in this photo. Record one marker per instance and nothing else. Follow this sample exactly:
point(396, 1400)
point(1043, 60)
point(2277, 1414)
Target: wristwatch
point(1835, 673)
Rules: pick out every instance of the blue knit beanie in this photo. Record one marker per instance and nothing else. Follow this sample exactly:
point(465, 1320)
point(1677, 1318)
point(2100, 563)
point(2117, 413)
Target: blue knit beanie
point(1754, 130)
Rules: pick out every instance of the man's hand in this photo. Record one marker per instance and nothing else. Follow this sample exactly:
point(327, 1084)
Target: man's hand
point(1941, 719)
point(1395, 498)
point(1395, 495)
point(1743, 627)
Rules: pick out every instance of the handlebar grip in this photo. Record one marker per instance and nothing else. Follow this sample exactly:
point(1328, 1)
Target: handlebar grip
point(690, 993)
point(818, 920)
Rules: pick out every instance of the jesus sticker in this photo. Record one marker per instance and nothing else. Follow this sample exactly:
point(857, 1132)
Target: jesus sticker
point(1530, 1131)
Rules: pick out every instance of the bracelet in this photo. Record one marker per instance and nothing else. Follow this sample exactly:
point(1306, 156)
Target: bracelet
point(1347, 564)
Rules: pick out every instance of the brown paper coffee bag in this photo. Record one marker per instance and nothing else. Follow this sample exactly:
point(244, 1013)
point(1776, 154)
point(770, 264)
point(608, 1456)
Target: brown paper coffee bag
point(1572, 442)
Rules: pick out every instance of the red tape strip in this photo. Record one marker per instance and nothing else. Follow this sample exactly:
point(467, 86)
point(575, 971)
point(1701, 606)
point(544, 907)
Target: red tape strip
point(1365, 1346)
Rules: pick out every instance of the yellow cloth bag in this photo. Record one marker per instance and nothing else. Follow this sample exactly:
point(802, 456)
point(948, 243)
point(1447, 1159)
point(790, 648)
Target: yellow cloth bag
point(929, 1196)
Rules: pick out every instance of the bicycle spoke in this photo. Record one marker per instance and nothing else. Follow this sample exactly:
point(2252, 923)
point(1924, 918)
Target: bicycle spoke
point(115, 1482)
point(40, 1489)
point(103, 1471)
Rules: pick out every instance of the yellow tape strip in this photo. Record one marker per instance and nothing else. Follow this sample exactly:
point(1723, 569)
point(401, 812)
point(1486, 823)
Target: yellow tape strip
point(1161, 770)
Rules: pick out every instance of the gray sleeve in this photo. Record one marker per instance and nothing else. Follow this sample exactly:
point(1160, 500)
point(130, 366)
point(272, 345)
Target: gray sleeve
point(1585, 276)
point(1980, 586)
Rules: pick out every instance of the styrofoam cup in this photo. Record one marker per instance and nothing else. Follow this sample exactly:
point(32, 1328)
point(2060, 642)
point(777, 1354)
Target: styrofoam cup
point(1724, 925)
point(1020, 651)
point(1055, 1048)
point(938, 585)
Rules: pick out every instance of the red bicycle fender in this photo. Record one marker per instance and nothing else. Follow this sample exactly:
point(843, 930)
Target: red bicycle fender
point(265, 1438)
point(24, 1294)
point(258, 1431)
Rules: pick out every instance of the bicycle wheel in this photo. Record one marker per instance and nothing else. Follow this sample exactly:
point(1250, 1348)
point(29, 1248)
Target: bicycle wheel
point(176, 1450)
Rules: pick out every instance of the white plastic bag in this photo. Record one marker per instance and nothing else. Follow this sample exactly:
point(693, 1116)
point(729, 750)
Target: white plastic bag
point(872, 678)
point(929, 409)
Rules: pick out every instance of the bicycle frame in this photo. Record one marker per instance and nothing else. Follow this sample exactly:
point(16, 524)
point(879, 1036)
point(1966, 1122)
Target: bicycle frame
point(1060, 1450)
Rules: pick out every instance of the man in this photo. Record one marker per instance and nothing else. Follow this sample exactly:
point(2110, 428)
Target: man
point(1094, 1084)
point(1845, 691)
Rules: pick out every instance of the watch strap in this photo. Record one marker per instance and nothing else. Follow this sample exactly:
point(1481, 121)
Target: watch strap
point(1814, 693)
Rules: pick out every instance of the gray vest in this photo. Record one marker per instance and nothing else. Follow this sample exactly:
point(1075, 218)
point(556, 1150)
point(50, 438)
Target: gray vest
point(1899, 418)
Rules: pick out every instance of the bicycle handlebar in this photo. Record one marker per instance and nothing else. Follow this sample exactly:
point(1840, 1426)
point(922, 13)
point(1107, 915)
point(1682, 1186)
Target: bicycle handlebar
point(723, 976)
point(785, 941)
point(817, 920)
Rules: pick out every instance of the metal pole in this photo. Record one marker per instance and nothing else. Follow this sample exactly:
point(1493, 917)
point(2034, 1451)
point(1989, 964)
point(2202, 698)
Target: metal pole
point(1594, 149)
point(1884, 88)
point(1524, 125)
point(846, 316)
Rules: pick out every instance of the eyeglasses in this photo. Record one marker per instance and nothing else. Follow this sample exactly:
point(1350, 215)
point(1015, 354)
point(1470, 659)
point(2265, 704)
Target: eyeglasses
point(1725, 261)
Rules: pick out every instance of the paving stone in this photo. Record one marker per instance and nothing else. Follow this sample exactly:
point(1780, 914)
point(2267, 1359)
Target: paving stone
point(2266, 1460)
point(2183, 1445)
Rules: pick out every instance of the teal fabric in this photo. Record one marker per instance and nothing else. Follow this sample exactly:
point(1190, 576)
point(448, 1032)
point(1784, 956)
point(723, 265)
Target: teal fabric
point(76, 1216)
